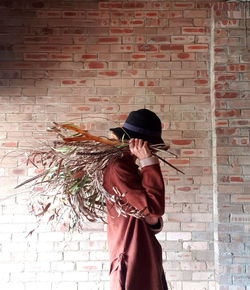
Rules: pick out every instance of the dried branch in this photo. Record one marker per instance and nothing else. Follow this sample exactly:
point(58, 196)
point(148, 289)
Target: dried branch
point(70, 189)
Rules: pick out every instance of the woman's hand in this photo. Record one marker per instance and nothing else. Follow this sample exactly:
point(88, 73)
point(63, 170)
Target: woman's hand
point(139, 148)
point(151, 220)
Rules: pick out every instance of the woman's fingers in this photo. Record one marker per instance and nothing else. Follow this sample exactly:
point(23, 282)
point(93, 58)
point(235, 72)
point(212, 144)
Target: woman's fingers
point(139, 148)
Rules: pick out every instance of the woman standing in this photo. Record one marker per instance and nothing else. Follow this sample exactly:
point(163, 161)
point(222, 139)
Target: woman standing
point(135, 253)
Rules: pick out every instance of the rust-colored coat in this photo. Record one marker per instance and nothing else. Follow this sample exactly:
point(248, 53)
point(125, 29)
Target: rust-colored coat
point(135, 253)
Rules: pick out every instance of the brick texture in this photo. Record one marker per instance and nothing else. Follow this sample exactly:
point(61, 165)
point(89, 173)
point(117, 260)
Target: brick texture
point(92, 62)
point(232, 129)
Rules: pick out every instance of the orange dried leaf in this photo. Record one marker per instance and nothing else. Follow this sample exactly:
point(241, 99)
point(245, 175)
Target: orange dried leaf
point(94, 138)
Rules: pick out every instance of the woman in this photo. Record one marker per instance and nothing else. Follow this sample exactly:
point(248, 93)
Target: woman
point(135, 253)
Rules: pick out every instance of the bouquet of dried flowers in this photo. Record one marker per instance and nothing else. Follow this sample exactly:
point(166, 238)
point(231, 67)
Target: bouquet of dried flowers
point(70, 188)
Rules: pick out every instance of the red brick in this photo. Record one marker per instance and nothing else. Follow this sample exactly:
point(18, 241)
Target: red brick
point(180, 22)
point(186, 188)
point(109, 109)
point(115, 57)
point(238, 67)
point(109, 40)
point(133, 5)
point(122, 48)
point(96, 65)
point(240, 198)
point(227, 95)
point(159, 39)
point(58, 56)
point(10, 91)
point(227, 77)
point(220, 68)
point(196, 48)
point(221, 104)
point(179, 161)
point(59, 91)
point(171, 83)
point(146, 65)
point(58, 108)
point(95, 48)
point(194, 99)
point(34, 91)
point(183, 5)
point(201, 82)
point(48, 14)
point(226, 131)
point(158, 90)
point(10, 74)
point(169, 31)
point(129, 57)
point(22, 83)
point(147, 82)
point(4, 83)
point(60, 73)
point(18, 171)
point(176, 14)
point(9, 144)
point(154, 22)
point(227, 113)
point(108, 73)
point(82, 108)
point(237, 14)
point(133, 73)
point(171, 47)
point(183, 91)
point(159, 56)
point(239, 123)
point(239, 85)
point(198, 13)
point(36, 39)
point(152, 14)
point(181, 142)
point(18, 117)
point(147, 47)
point(75, 30)
point(87, 56)
point(219, 86)
point(133, 23)
point(158, 5)
point(220, 32)
point(97, 14)
point(227, 23)
point(183, 56)
point(70, 14)
point(68, 82)
point(245, 113)
point(94, 99)
point(119, 117)
point(84, 73)
point(193, 30)
point(240, 141)
point(121, 31)
point(108, 91)
point(245, 76)
point(222, 123)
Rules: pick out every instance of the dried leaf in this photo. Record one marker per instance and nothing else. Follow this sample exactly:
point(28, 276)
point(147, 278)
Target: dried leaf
point(70, 189)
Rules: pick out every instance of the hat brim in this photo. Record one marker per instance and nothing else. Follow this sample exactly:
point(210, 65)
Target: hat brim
point(123, 133)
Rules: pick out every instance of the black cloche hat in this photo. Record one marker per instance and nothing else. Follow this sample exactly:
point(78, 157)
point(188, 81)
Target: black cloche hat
point(142, 124)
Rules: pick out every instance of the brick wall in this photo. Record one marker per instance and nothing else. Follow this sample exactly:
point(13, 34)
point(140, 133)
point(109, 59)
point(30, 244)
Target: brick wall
point(93, 62)
point(231, 65)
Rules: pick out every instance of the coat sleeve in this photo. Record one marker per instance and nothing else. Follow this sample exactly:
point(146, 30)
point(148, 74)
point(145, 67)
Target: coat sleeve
point(144, 190)
point(157, 228)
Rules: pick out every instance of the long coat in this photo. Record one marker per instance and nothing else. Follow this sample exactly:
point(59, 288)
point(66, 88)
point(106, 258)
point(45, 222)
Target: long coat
point(135, 253)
